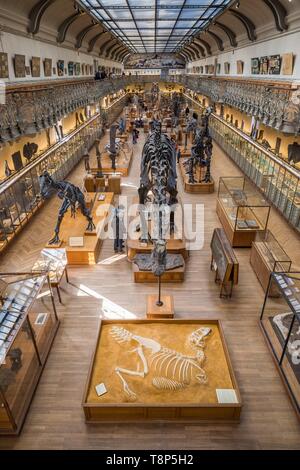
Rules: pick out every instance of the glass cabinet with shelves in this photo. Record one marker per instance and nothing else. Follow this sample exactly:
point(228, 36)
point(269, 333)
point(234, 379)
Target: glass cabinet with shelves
point(274, 177)
point(20, 195)
point(280, 322)
point(242, 210)
point(27, 328)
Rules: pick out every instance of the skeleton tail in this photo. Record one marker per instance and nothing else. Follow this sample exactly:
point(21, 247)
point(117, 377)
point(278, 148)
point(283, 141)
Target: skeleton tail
point(120, 334)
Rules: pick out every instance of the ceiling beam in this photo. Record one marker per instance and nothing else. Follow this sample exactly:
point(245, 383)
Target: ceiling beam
point(123, 55)
point(80, 36)
point(248, 24)
point(117, 51)
point(36, 14)
point(279, 13)
point(103, 46)
point(113, 50)
point(217, 40)
point(108, 50)
point(204, 44)
point(120, 53)
point(199, 47)
point(191, 53)
point(197, 50)
point(94, 39)
point(229, 33)
point(65, 25)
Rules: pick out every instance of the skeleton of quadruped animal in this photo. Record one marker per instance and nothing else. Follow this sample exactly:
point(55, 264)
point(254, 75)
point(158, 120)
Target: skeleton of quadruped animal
point(201, 153)
point(72, 197)
point(158, 174)
point(171, 369)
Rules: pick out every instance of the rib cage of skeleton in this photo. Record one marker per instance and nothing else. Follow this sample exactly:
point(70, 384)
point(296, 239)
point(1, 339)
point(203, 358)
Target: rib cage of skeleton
point(171, 369)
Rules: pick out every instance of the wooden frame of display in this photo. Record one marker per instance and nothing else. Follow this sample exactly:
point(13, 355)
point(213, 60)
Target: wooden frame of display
point(263, 269)
point(195, 188)
point(139, 412)
point(231, 273)
point(89, 252)
point(238, 237)
point(9, 426)
point(123, 164)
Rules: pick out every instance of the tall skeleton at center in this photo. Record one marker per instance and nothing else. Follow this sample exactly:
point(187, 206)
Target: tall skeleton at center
point(170, 369)
point(158, 175)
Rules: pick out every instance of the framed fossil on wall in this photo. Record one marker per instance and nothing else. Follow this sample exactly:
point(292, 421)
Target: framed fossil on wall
point(36, 66)
point(83, 69)
point(87, 69)
point(240, 67)
point(287, 64)
point(227, 68)
point(77, 68)
point(60, 68)
point(71, 68)
point(274, 64)
point(4, 73)
point(48, 67)
point(91, 69)
point(19, 63)
point(264, 65)
point(27, 70)
point(255, 66)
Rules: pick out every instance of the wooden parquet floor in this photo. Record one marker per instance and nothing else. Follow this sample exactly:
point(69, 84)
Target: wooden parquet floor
point(55, 419)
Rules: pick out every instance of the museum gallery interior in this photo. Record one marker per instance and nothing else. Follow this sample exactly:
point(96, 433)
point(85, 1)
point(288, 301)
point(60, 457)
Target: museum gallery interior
point(149, 224)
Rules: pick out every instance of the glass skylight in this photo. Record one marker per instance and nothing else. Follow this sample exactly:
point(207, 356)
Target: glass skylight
point(155, 25)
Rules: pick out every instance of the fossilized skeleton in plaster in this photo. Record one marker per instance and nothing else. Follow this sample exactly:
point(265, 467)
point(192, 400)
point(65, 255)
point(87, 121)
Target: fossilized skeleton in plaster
point(171, 369)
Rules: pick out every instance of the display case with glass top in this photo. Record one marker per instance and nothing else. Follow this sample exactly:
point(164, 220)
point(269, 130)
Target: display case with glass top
point(242, 210)
point(268, 256)
point(280, 322)
point(27, 328)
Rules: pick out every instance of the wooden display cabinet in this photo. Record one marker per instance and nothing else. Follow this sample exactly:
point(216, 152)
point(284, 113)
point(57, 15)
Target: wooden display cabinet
point(88, 253)
point(27, 329)
point(268, 256)
point(242, 210)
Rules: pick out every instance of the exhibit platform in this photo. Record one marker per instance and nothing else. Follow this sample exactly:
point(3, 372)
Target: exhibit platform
point(196, 188)
point(123, 163)
point(82, 247)
point(146, 386)
point(173, 275)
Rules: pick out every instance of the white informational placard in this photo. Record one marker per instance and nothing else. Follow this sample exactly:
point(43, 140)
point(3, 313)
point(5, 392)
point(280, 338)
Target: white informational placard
point(76, 241)
point(100, 389)
point(226, 395)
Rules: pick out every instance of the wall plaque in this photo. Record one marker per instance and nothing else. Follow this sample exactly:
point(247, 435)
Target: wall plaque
point(240, 67)
point(227, 68)
point(48, 67)
point(274, 64)
point(255, 66)
point(19, 62)
point(4, 65)
point(264, 65)
point(36, 66)
point(287, 64)
point(70, 68)
point(60, 68)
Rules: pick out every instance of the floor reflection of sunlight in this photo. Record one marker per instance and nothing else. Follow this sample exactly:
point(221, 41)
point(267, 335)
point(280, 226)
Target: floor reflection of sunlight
point(113, 259)
point(129, 185)
point(43, 294)
point(110, 310)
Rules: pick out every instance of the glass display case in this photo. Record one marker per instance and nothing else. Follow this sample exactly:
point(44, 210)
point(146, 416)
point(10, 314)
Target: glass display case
point(279, 182)
point(268, 256)
point(280, 322)
point(20, 195)
point(242, 210)
point(27, 329)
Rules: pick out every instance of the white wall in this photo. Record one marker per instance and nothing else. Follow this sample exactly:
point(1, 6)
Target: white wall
point(284, 44)
point(13, 44)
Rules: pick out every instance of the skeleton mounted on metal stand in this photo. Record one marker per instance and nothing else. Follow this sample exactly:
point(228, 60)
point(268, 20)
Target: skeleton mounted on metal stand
point(72, 197)
point(158, 175)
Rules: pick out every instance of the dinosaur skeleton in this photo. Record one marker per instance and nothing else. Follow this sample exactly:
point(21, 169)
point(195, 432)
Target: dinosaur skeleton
point(172, 370)
point(71, 195)
point(201, 153)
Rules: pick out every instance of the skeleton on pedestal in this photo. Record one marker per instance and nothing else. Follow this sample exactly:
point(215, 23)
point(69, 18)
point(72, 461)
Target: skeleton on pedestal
point(113, 148)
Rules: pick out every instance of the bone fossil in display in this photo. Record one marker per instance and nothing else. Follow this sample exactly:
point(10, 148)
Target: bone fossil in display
point(172, 370)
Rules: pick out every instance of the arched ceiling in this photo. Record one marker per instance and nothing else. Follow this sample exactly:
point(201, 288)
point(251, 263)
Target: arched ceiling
point(65, 22)
point(190, 27)
point(244, 21)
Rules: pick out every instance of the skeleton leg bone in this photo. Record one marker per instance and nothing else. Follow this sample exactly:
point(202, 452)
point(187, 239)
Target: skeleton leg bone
point(119, 371)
